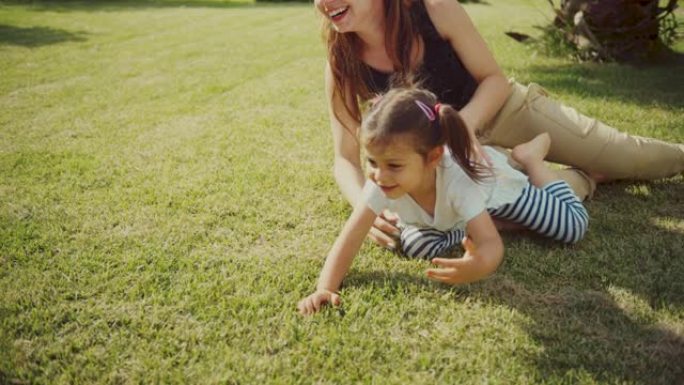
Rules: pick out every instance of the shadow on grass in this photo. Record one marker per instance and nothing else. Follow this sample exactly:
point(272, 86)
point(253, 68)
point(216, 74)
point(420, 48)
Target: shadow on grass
point(37, 36)
point(635, 241)
point(390, 281)
point(635, 246)
point(635, 249)
point(586, 334)
point(583, 333)
point(645, 86)
point(591, 306)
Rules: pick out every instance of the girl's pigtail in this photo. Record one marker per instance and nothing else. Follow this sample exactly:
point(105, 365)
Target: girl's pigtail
point(458, 140)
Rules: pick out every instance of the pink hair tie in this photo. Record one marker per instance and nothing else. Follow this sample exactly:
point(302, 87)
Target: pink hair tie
point(437, 107)
point(426, 110)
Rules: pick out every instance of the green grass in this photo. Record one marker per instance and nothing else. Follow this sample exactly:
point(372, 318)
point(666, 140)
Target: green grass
point(166, 198)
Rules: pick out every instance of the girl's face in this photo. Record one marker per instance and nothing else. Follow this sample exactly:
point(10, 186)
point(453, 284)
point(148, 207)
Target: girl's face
point(398, 169)
point(351, 15)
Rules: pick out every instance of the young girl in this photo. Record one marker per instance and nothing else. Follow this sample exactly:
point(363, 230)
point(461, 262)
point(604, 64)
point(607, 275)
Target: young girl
point(420, 165)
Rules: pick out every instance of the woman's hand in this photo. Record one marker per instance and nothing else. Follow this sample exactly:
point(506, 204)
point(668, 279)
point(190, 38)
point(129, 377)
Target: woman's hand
point(481, 155)
point(313, 303)
point(384, 231)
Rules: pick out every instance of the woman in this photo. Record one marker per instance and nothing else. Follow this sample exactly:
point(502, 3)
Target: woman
point(435, 41)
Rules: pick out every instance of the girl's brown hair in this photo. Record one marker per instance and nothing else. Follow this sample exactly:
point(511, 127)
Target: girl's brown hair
point(344, 55)
point(398, 113)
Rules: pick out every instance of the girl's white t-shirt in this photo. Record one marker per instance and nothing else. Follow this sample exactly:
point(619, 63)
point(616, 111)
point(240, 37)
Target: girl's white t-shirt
point(459, 199)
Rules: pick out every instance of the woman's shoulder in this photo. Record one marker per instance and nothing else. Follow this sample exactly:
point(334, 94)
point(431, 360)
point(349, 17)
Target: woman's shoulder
point(438, 5)
point(442, 13)
point(437, 8)
point(422, 19)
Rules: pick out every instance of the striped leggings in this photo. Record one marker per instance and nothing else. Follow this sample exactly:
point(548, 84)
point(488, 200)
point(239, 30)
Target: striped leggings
point(552, 211)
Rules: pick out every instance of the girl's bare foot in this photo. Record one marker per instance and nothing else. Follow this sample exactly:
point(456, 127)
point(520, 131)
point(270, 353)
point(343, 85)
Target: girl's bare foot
point(532, 152)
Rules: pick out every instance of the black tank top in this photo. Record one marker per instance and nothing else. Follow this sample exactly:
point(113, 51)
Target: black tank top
point(441, 72)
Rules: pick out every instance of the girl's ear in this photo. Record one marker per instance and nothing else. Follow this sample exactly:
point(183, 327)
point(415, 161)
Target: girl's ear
point(434, 156)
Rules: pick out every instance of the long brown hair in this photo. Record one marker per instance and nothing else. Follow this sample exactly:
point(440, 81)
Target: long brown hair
point(399, 113)
point(344, 55)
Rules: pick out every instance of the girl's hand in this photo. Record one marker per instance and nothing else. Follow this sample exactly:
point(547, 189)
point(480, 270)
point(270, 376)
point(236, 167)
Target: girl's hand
point(384, 231)
point(457, 271)
point(313, 303)
point(452, 271)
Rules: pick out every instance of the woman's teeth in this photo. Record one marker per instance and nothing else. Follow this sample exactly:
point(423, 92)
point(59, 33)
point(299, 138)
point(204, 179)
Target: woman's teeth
point(337, 12)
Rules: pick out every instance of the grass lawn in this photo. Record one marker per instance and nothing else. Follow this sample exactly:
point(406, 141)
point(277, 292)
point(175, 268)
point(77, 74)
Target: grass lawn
point(166, 198)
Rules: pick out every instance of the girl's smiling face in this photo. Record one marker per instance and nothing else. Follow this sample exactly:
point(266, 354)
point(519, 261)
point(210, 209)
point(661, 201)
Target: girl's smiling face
point(398, 169)
point(351, 15)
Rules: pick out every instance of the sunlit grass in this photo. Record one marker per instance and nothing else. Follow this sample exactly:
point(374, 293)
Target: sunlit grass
point(166, 197)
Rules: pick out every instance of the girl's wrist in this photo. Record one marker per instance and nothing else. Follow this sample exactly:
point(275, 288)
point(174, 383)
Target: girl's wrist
point(325, 289)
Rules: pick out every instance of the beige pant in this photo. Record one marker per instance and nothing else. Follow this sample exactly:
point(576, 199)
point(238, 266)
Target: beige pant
point(579, 141)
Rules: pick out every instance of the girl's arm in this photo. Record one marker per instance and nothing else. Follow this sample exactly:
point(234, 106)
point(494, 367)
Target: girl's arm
point(454, 24)
point(339, 260)
point(484, 253)
point(347, 164)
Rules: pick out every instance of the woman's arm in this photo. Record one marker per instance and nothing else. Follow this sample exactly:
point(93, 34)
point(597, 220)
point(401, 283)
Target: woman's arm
point(454, 24)
point(339, 260)
point(484, 253)
point(347, 164)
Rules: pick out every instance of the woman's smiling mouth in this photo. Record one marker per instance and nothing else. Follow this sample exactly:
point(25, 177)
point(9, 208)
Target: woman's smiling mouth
point(337, 14)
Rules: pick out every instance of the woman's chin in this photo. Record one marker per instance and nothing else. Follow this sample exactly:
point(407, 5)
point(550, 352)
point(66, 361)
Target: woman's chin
point(343, 24)
point(340, 28)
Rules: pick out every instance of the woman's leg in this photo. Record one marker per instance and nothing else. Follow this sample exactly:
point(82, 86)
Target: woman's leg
point(493, 135)
point(553, 211)
point(580, 141)
point(427, 243)
point(579, 181)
